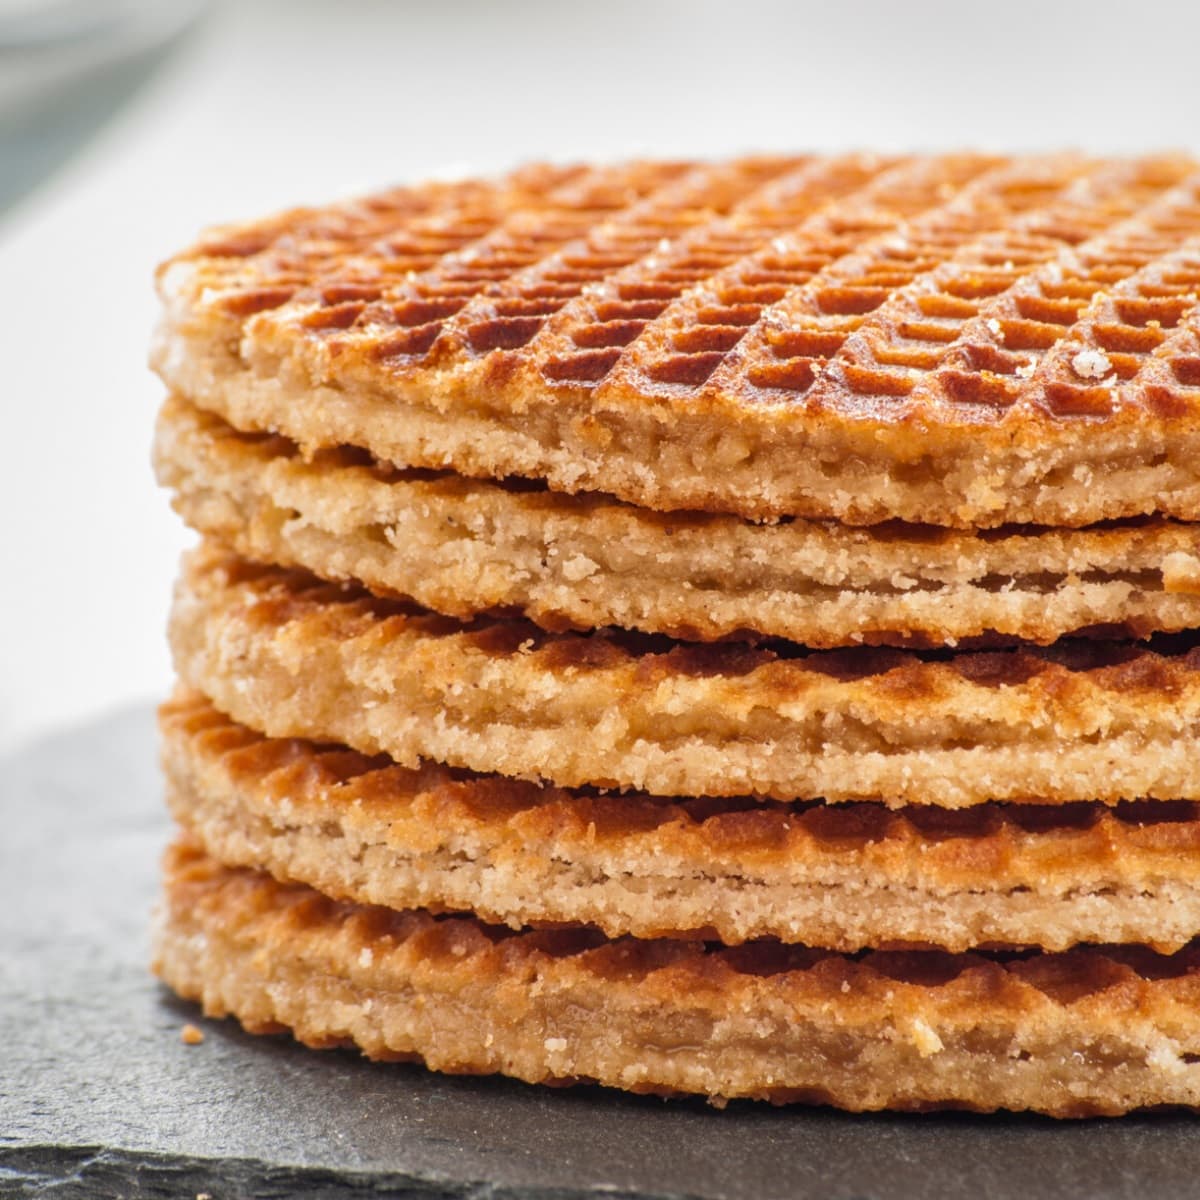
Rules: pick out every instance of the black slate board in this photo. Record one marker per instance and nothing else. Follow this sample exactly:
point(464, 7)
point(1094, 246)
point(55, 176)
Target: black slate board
point(99, 1097)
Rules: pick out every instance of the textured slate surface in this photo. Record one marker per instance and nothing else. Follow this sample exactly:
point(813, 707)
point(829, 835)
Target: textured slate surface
point(99, 1097)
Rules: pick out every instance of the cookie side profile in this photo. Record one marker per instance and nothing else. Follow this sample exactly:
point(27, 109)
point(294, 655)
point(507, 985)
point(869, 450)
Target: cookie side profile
point(844, 878)
point(463, 547)
point(292, 656)
point(1089, 1032)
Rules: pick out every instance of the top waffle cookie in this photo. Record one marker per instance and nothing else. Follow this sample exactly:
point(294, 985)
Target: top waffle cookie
point(962, 340)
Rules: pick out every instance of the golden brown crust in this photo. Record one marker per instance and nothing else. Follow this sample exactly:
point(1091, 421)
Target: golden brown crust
point(463, 547)
point(363, 829)
point(963, 341)
point(293, 657)
point(1086, 1032)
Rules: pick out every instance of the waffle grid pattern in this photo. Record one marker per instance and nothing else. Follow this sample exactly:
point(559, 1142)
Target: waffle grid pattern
point(961, 285)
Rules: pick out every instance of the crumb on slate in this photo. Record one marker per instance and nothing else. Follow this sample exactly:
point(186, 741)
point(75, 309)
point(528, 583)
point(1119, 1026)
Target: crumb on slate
point(189, 1035)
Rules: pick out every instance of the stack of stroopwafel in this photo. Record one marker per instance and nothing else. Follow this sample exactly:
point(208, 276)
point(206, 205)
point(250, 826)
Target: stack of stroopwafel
point(721, 628)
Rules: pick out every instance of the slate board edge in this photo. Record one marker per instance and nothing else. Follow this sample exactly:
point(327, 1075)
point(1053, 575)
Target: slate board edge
point(68, 1172)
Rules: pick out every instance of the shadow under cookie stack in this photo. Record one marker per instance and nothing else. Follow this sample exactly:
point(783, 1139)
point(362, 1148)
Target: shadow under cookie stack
point(712, 628)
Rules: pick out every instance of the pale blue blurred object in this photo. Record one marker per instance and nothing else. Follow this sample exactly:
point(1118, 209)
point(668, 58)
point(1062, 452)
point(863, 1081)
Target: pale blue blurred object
point(65, 67)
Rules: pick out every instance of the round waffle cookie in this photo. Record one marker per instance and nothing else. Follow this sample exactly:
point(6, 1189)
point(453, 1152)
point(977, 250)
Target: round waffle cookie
point(958, 340)
point(292, 656)
point(845, 878)
point(464, 547)
point(1096, 1031)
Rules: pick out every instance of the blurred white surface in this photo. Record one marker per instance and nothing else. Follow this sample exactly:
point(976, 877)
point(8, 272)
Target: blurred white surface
point(274, 103)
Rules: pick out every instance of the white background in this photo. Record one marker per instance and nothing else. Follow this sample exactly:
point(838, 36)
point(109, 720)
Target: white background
point(270, 104)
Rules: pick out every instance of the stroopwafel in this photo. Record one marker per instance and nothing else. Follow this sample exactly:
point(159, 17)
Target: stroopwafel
point(294, 657)
point(845, 877)
point(463, 547)
point(958, 340)
point(1095, 1031)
